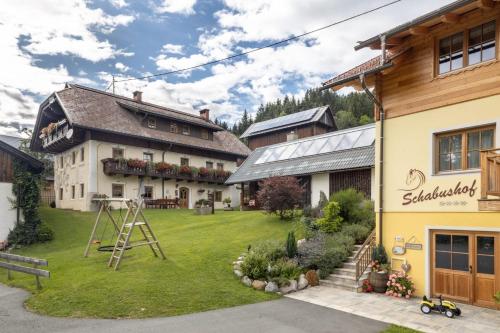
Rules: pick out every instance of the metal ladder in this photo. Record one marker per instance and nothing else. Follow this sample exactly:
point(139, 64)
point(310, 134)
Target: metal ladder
point(123, 240)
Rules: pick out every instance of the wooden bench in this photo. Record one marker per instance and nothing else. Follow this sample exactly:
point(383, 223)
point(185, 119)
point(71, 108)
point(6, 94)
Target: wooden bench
point(24, 269)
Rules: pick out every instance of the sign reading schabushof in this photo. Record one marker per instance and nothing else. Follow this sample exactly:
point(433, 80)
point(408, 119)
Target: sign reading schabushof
point(416, 192)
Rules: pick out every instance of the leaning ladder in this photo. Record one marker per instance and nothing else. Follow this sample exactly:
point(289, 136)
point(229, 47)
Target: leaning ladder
point(123, 242)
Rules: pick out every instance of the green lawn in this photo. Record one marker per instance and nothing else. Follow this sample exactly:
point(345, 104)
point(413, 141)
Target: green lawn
point(196, 276)
point(399, 329)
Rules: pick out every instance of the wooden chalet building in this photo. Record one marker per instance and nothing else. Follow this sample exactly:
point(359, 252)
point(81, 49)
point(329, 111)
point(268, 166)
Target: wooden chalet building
point(105, 144)
point(8, 154)
point(437, 90)
point(290, 127)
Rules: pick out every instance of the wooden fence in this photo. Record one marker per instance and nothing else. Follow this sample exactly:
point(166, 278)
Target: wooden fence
point(24, 269)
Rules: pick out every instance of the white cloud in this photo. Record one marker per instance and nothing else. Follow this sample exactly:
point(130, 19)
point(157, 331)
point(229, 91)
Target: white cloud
point(185, 7)
point(173, 48)
point(121, 67)
point(119, 3)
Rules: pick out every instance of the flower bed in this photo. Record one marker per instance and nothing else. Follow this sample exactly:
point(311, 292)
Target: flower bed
point(272, 267)
point(400, 285)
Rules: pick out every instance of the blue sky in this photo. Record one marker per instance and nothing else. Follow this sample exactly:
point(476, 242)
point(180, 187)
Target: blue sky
point(47, 43)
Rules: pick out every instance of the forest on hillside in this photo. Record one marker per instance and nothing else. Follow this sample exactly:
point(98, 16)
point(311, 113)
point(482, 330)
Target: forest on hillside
point(349, 110)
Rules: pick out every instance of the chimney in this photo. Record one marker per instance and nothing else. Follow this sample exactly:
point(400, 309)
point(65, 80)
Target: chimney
point(138, 96)
point(292, 136)
point(205, 114)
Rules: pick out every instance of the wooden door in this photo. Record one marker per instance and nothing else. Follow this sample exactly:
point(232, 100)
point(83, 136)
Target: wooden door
point(452, 265)
point(184, 197)
point(485, 269)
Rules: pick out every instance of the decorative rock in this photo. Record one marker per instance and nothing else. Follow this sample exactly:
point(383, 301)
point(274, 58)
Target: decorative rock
point(290, 288)
point(303, 283)
point(312, 278)
point(259, 285)
point(272, 287)
point(241, 258)
point(237, 267)
point(300, 242)
point(246, 281)
point(238, 273)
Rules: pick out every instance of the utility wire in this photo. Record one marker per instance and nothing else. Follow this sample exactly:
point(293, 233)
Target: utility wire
point(262, 47)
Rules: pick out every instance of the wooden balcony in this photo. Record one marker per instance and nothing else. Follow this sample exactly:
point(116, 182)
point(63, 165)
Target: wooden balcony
point(490, 180)
point(59, 139)
point(113, 167)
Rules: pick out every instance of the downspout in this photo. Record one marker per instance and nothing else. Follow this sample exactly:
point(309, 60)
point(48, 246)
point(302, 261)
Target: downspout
point(163, 179)
point(381, 158)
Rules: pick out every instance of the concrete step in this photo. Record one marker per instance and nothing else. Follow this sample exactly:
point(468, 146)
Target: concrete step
point(349, 259)
point(345, 271)
point(346, 279)
point(349, 265)
point(349, 287)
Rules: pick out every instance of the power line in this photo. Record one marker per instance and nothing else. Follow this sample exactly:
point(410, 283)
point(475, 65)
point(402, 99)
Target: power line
point(262, 47)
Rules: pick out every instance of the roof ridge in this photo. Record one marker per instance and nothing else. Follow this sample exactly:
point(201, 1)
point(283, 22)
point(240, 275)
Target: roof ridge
point(132, 100)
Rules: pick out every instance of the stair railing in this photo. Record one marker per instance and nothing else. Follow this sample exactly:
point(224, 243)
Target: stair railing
point(363, 257)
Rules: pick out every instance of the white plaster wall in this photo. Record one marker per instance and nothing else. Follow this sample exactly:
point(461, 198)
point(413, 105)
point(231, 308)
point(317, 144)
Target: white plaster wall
point(7, 214)
point(90, 173)
point(319, 182)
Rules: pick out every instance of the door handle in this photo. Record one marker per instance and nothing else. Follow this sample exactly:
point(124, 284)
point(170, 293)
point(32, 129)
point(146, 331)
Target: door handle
point(470, 269)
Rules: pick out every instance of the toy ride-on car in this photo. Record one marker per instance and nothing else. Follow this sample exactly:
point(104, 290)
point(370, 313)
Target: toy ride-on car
point(448, 308)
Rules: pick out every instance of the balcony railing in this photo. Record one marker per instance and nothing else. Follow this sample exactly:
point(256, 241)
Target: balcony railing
point(167, 171)
point(490, 173)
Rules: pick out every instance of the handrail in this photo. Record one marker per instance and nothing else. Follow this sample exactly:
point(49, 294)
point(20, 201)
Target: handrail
point(363, 257)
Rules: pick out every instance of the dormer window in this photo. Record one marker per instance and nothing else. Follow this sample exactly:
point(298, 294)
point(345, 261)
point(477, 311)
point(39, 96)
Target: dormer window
point(204, 133)
point(173, 128)
point(185, 130)
point(151, 122)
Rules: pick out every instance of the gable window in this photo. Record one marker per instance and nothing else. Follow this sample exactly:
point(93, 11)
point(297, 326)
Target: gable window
point(148, 192)
point(185, 130)
point(82, 154)
point(204, 134)
point(118, 153)
point(482, 43)
point(184, 161)
point(151, 122)
point(82, 190)
point(173, 128)
point(478, 43)
point(117, 190)
point(209, 165)
point(220, 166)
point(148, 157)
point(73, 157)
point(451, 55)
point(459, 150)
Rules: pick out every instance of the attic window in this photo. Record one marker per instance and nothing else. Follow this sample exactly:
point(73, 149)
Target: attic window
point(151, 122)
point(173, 128)
point(185, 130)
point(204, 134)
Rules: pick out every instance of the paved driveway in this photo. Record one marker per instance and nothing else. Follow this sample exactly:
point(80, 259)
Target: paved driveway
point(283, 315)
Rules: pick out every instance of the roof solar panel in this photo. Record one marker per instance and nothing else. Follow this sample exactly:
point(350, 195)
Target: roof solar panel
point(331, 142)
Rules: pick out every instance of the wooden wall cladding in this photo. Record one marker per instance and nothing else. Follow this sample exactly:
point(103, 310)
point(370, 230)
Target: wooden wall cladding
point(6, 168)
point(357, 179)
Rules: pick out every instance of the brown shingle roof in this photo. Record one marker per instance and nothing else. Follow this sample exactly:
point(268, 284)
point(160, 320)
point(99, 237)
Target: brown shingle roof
point(95, 109)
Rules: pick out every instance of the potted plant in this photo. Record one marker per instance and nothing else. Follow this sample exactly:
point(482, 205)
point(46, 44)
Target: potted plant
point(202, 207)
point(203, 172)
point(400, 285)
point(379, 275)
point(227, 203)
point(137, 164)
point(185, 170)
point(162, 167)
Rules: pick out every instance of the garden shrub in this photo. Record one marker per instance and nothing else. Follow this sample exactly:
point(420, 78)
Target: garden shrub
point(400, 285)
point(332, 220)
point(291, 245)
point(280, 195)
point(272, 250)
point(358, 232)
point(255, 266)
point(287, 269)
point(354, 207)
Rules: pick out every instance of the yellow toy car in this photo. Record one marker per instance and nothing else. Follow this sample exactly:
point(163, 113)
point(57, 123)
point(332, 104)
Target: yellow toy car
point(448, 308)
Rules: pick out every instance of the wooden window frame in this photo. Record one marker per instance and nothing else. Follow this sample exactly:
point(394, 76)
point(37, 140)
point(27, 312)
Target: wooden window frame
point(151, 122)
point(118, 149)
point(209, 165)
point(82, 154)
point(82, 190)
point(464, 132)
point(184, 159)
point(174, 128)
point(152, 191)
point(185, 130)
point(465, 47)
point(112, 190)
point(204, 134)
point(220, 166)
point(148, 154)
point(218, 196)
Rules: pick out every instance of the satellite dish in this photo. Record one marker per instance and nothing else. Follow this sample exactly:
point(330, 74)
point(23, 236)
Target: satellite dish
point(69, 134)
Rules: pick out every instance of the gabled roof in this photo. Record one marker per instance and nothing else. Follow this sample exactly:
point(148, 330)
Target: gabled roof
point(427, 20)
point(335, 151)
point(35, 164)
point(14, 141)
point(291, 120)
point(93, 109)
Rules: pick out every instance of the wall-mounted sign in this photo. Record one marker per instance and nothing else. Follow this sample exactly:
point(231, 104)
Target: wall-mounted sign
point(416, 180)
point(413, 246)
point(398, 250)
